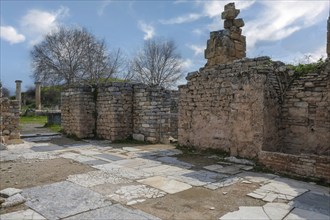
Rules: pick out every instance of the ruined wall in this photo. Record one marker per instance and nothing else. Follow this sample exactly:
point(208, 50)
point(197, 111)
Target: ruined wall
point(9, 120)
point(306, 114)
point(78, 111)
point(114, 111)
point(226, 45)
point(153, 119)
point(300, 165)
point(328, 38)
point(227, 107)
point(120, 110)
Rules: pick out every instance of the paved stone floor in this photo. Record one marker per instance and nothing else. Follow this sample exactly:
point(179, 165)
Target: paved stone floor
point(128, 175)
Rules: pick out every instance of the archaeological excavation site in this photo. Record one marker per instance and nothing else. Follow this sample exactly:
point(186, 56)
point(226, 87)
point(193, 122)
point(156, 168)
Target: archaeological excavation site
point(242, 138)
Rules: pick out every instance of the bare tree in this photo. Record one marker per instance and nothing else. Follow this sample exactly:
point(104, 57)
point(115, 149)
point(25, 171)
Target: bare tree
point(4, 92)
point(73, 55)
point(157, 64)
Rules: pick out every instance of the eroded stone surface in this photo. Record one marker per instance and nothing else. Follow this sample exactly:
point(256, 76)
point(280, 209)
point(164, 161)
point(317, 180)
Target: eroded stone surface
point(276, 190)
point(314, 202)
point(9, 192)
point(62, 199)
point(94, 178)
point(174, 161)
point(166, 170)
point(222, 183)
point(305, 214)
point(114, 212)
point(13, 200)
point(28, 214)
point(132, 194)
point(199, 178)
point(165, 184)
point(123, 172)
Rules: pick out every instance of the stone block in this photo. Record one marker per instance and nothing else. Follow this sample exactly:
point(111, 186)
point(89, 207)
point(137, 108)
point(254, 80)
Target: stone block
point(138, 137)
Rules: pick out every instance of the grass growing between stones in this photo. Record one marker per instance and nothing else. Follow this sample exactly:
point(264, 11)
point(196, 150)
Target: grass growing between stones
point(42, 120)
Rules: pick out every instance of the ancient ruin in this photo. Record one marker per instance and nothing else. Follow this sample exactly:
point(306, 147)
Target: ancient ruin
point(328, 38)
point(226, 45)
point(117, 111)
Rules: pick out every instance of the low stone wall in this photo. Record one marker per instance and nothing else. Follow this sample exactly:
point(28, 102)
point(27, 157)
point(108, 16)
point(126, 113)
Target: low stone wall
point(78, 112)
point(312, 166)
point(9, 120)
point(119, 110)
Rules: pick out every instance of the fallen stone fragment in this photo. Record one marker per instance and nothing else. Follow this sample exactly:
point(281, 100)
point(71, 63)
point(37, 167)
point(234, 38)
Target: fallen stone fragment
point(9, 192)
point(240, 161)
point(13, 201)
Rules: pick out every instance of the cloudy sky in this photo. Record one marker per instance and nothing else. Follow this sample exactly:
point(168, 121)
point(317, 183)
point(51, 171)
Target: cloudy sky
point(284, 30)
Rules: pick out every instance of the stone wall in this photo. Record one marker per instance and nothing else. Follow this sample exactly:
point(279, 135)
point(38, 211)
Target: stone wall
point(78, 112)
point(154, 115)
point(118, 111)
point(114, 111)
point(300, 165)
point(306, 114)
point(226, 45)
point(9, 120)
point(231, 107)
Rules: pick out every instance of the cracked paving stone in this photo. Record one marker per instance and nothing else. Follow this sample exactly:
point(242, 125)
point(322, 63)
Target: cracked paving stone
point(305, 214)
point(46, 148)
point(63, 199)
point(114, 212)
point(165, 184)
point(233, 169)
point(276, 190)
point(223, 183)
point(166, 170)
point(199, 178)
point(245, 212)
point(128, 173)
point(76, 157)
point(94, 178)
point(174, 161)
point(28, 214)
point(108, 157)
point(133, 194)
point(137, 163)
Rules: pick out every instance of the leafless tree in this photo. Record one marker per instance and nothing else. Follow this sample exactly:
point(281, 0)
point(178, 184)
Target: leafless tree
point(4, 92)
point(157, 64)
point(71, 56)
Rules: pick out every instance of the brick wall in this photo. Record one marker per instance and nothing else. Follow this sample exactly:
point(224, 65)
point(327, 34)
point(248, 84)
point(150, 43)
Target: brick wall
point(300, 165)
point(9, 120)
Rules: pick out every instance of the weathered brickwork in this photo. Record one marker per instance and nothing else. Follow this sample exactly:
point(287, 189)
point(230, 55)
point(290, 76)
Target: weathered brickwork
point(118, 111)
point(226, 45)
point(78, 112)
point(306, 114)
point(114, 111)
point(300, 165)
point(228, 106)
point(9, 120)
point(154, 115)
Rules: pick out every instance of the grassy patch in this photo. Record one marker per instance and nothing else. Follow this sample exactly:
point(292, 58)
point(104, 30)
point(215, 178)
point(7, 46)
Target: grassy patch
point(54, 128)
point(42, 120)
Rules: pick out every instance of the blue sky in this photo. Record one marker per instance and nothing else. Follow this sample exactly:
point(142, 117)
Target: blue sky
point(284, 30)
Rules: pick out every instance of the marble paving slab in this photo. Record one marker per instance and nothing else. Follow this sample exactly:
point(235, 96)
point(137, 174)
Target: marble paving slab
point(165, 184)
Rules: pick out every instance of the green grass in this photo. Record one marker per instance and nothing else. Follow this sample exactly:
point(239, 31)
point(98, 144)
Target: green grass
point(54, 128)
point(42, 120)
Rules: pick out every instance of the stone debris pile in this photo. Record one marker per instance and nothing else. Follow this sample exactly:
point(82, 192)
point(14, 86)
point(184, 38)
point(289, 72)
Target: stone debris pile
point(229, 44)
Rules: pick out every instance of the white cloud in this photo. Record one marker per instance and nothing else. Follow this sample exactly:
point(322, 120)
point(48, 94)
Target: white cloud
point(197, 49)
point(9, 33)
point(182, 19)
point(279, 20)
point(103, 6)
point(215, 8)
point(187, 64)
point(149, 30)
point(37, 23)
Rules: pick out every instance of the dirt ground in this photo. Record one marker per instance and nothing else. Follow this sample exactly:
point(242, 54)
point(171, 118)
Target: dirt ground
point(29, 173)
point(200, 203)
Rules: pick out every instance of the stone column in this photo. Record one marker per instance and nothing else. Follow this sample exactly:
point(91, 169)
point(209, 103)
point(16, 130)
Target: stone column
point(18, 93)
point(38, 95)
point(328, 38)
